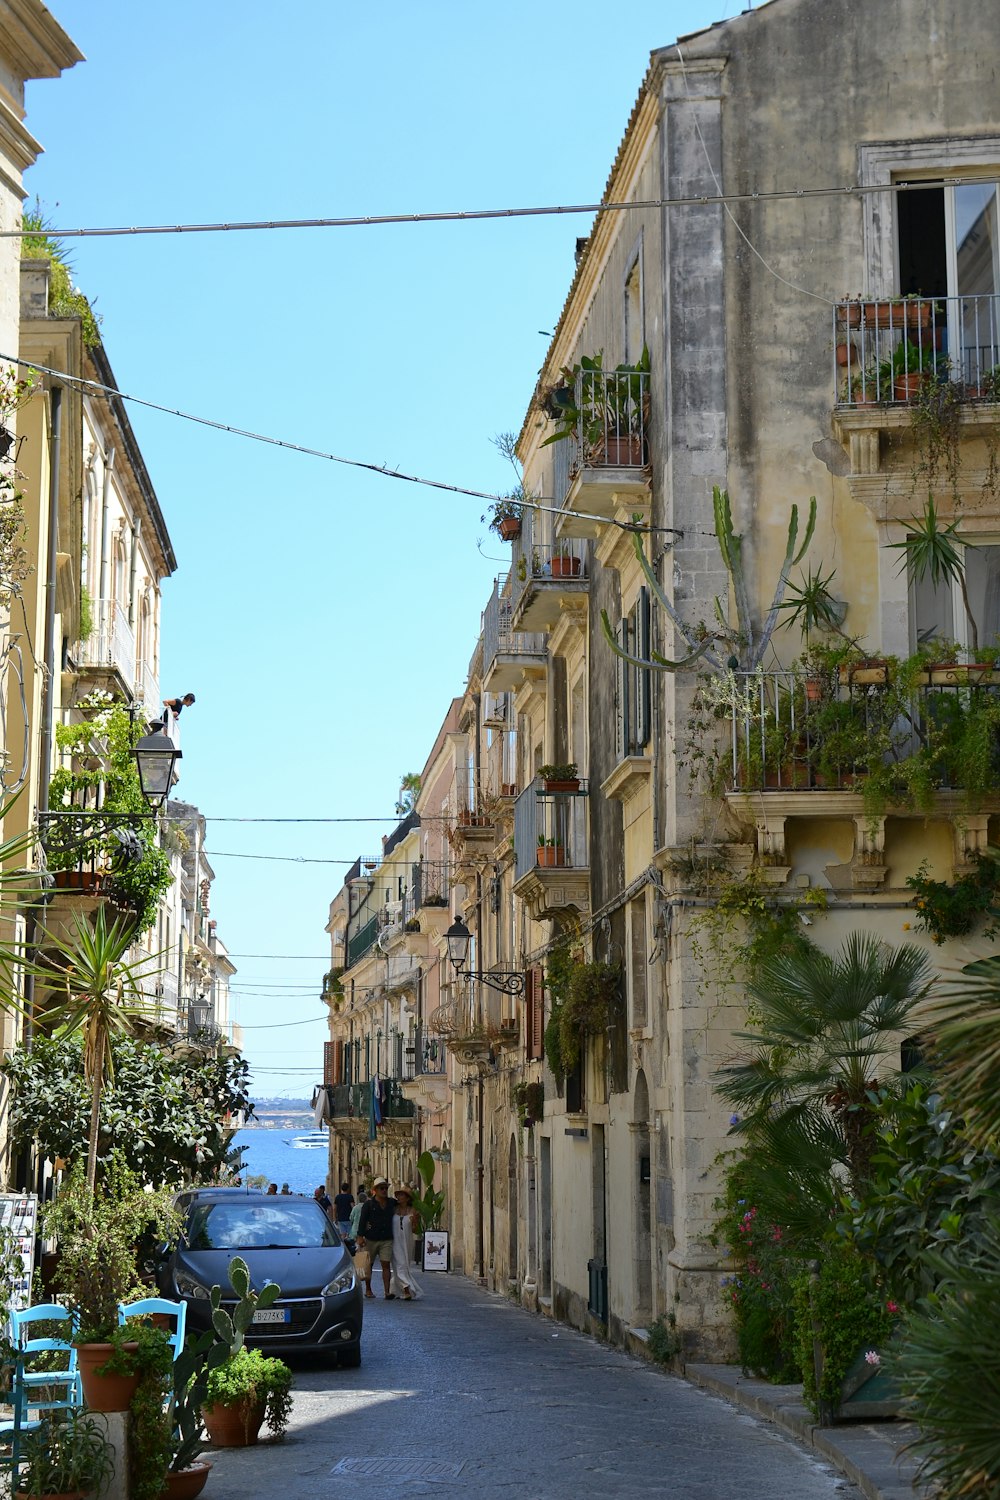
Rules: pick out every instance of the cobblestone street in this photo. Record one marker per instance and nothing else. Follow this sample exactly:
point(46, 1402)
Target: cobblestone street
point(463, 1391)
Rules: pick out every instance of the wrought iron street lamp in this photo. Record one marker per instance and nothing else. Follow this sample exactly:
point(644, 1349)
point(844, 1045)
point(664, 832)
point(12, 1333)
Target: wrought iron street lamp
point(458, 938)
point(156, 756)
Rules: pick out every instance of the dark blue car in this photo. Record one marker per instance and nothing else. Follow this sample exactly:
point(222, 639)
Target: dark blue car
point(282, 1238)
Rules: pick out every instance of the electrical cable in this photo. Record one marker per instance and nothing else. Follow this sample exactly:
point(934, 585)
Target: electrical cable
point(474, 215)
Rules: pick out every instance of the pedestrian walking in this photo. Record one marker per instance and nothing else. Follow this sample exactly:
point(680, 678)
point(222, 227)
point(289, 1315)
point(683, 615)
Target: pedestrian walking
point(342, 1204)
point(356, 1212)
point(323, 1199)
point(404, 1222)
point(375, 1233)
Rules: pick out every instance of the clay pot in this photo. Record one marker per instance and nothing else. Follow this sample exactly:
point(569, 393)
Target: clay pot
point(109, 1392)
point(551, 855)
point(624, 452)
point(184, 1484)
point(509, 528)
point(235, 1426)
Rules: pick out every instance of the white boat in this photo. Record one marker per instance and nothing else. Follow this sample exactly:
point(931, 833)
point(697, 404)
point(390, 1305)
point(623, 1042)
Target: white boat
point(310, 1141)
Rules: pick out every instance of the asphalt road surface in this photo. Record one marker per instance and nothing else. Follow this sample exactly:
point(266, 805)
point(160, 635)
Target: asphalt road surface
point(462, 1392)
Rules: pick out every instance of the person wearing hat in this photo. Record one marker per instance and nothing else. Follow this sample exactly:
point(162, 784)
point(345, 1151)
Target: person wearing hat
point(375, 1232)
point(404, 1222)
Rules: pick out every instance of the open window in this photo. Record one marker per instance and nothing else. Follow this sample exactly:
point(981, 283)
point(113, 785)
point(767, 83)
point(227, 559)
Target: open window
point(938, 613)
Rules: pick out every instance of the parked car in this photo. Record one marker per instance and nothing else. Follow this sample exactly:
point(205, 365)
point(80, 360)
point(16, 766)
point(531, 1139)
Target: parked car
point(282, 1238)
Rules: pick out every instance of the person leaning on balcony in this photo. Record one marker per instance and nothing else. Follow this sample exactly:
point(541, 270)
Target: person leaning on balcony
point(375, 1232)
point(176, 706)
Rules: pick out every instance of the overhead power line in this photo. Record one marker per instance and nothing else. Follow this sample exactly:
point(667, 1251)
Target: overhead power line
point(474, 215)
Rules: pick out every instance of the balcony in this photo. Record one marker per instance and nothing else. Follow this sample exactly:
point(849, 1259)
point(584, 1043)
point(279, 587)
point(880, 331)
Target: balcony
point(608, 455)
point(148, 693)
point(428, 1054)
point(474, 814)
point(546, 578)
point(353, 1101)
point(476, 1022)
point(868, 740)
point(110, 647)
point(507, 654)
point(893, 354)
point(552, 850)
point(361, 942)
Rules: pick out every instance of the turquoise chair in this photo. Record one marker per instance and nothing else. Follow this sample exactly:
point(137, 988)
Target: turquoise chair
point(148, 1305)
point(37, 1392)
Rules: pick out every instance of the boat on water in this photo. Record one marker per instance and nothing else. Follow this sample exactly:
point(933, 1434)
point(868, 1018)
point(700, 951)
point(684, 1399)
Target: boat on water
point(310, 1141)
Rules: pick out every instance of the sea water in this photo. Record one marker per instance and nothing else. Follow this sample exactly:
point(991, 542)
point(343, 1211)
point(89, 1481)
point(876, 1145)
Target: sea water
point(270, 1154)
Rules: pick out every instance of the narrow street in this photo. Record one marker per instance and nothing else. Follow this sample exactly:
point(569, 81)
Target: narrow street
point(463, 1390)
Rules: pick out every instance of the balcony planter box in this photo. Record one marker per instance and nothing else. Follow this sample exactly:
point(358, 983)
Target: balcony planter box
point(551, 855)
point(886, 312)
point(508, 788)
point(87, 881)
point(571, 784)
point(873, 671)
point(565, 567)
point(960, 674)
point(509, 528)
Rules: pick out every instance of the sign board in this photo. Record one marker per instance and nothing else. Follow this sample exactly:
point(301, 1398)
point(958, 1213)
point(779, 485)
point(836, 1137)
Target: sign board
point(19, 1215)
point(435, 1249)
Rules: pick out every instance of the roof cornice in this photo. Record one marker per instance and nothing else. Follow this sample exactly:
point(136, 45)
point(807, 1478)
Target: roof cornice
point(34, 41)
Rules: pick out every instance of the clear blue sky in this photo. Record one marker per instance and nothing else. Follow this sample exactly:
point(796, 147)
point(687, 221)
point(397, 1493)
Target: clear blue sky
point(325, 617)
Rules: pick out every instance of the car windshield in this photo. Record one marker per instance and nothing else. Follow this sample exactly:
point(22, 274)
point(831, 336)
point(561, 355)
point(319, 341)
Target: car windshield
point(265, 1224)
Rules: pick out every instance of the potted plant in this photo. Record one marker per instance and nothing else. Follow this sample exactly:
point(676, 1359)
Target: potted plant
point(550, 852)
point(70, 1458)
point(529, 1101)
point(505, 516)
point(560, 778)
point(100, 1234)
point(911, 365)
point(242, 1394)
point(564, 564)
point(605, 411)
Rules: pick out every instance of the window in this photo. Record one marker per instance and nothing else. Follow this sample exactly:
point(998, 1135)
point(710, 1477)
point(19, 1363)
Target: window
point(637, 911)
point(632, 697)
point(939, 613)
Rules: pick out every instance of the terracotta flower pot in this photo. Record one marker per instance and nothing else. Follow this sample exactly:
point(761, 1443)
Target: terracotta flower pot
point(550, 855)
point(565, 567)
point(236, 1426)
point(109, 1392)
point(184, 1484)
point(509, 528)
point(624, 452)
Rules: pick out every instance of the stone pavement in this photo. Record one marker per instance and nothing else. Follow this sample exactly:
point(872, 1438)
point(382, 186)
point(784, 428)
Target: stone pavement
point(869, 1453)
point(465, 1392)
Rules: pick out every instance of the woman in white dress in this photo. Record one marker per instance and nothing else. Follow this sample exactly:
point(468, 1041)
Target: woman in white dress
point(404, 1282)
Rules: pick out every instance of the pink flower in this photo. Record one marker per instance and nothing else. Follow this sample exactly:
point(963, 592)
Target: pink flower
point(873, 1357)
point(892, 1306)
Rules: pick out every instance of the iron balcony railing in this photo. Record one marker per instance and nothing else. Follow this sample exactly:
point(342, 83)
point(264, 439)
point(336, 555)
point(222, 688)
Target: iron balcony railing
point(886, 349)
point(791, 731)
point(551, 829)
point(499, 639)
point(111, 643)
point(360, 942)
point(354, 1101)
point(428, 1053)
point(544, 564)
point(430, 883)
point(613, 422)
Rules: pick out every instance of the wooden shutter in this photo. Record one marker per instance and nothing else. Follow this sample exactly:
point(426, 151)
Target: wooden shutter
point(329, 1064)
point(534, 996)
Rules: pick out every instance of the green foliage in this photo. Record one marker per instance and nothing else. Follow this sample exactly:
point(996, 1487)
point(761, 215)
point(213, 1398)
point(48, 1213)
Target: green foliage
point(664, 1342)
point(65, 300)
point(937, 552)
point(556, 772)
point(810, 605)
point(759, 1291)
point(149, 1425)
point(952, 909)
point(929, 1192)
point(102, 749)
point(610, 401)
point(164, 1115)
point(529, 1101)
point(430, 1204)
point(584, 997)
point(86, 613)
point(250, 1375)
point(847, 1309)
point(829, 1031)
point(67, 1457)
point(101, 1233)
point(949, 1369)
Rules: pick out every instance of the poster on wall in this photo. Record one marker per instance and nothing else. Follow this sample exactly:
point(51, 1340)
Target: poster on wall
point(18, 1215)
point(435, 1249)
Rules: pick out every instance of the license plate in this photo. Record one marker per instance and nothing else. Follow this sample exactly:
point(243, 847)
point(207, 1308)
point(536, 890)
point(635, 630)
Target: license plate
point(273, 1315)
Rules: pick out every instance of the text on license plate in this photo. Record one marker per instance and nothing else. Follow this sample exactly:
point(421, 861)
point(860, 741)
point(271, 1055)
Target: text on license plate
point(273, 1315)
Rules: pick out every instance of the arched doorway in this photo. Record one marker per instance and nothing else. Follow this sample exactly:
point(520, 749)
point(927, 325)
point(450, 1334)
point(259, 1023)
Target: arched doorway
point(642, 1179)
point(513, 1213)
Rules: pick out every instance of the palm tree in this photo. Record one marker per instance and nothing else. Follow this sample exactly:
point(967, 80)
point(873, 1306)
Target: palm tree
point(966, 1026)
point(829, 1026)
point(100, 996)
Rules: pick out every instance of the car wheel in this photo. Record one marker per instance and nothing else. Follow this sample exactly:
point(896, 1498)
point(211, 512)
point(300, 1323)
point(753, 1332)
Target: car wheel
point(351, 1358)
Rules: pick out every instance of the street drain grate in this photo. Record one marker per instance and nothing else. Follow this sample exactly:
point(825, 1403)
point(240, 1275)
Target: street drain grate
point(398, 1468)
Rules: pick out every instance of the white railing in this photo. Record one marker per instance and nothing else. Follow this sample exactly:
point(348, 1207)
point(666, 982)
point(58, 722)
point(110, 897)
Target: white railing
point(886, 349)
point(111, 643)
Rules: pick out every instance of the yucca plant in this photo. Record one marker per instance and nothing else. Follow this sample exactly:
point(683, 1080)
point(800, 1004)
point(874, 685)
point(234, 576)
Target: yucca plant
point(98, 994)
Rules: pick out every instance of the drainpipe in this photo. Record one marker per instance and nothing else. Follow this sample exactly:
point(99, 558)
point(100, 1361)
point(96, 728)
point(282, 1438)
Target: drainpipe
point(48, 677)
point(104, 622)
point(133, 560)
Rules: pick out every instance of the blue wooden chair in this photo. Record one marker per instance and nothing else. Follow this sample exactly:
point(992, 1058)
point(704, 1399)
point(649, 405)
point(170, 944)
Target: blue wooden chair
point(146, 1306)
point(36, 1393)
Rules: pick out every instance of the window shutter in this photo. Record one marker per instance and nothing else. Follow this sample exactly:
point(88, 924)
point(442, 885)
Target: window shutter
point(642, 686)
point(329, 1067)
point(624, 671)
point(534, 1015)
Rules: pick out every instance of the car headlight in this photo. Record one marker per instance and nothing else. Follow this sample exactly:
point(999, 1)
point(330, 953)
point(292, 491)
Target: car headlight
point(345, 1282)
point(188, 1287)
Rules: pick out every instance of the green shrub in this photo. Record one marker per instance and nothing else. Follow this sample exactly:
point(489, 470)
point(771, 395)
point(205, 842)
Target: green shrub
point(850, 1313)
point(251, 1374)
point(664, 1342)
